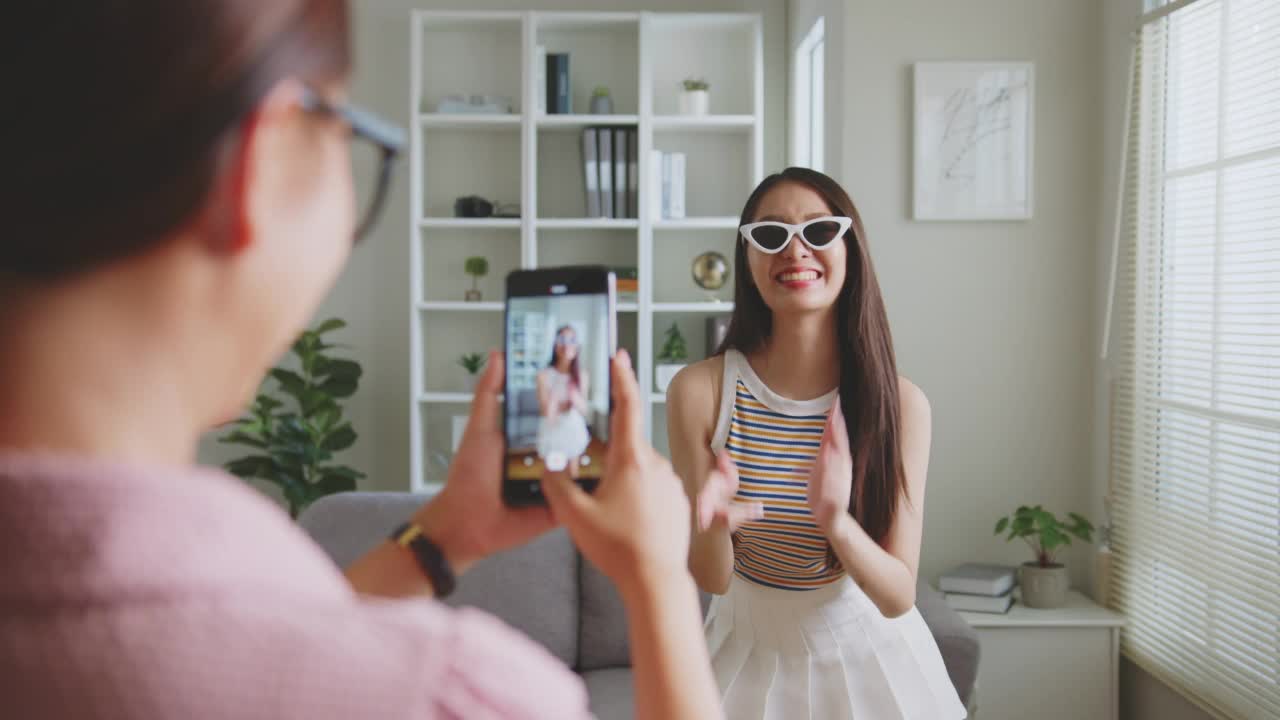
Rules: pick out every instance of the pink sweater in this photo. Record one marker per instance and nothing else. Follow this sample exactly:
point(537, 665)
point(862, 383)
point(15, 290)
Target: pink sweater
point(130, 592)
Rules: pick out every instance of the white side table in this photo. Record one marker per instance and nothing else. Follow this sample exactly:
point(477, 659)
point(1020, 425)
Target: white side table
point(1049, 664)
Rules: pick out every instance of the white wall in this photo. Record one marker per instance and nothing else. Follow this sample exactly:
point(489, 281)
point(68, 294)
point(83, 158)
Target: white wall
point(373, 294)
point(993, 320)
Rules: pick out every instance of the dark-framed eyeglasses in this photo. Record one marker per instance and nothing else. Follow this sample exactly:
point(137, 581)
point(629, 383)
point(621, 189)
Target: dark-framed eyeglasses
point(384, 140)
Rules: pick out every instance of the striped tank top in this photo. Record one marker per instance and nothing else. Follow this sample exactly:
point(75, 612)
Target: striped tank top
point(774, 440)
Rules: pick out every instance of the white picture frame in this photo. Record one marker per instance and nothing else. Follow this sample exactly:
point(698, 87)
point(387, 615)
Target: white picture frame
point(974, 125)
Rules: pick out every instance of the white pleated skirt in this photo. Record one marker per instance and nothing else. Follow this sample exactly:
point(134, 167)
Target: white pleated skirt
point(825, 654)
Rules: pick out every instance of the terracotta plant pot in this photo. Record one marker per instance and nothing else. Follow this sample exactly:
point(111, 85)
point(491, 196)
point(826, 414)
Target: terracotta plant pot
point(1043, 587)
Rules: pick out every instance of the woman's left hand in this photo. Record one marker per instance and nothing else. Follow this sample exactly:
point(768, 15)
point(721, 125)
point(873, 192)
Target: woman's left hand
point(831, 479)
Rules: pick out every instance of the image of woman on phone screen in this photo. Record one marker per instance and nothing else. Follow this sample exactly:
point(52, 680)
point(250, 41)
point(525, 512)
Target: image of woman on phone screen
point(563, 388)
point(805, 456)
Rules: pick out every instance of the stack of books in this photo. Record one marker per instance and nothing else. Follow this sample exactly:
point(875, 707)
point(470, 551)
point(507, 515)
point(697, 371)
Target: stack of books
point(974, 587)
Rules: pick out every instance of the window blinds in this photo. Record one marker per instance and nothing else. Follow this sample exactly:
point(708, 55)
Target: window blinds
point(1195, 451)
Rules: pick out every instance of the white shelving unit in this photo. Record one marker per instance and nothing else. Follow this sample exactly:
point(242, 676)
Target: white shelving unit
point(533, 160)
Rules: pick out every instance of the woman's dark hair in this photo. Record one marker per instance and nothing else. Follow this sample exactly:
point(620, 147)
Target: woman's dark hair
point(121, 116)
point(868, 371)
point(574, 374)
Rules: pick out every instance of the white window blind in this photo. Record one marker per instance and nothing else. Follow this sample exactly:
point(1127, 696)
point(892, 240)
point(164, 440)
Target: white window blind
point(1196, 405)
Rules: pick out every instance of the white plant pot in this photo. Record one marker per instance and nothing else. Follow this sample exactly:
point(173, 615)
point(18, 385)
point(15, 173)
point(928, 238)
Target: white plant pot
point(662, 374)
point(695, 102)
point(469, 382)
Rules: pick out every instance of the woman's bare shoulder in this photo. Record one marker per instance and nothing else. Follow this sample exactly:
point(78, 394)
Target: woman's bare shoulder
point(913, 404)
point(694, 393)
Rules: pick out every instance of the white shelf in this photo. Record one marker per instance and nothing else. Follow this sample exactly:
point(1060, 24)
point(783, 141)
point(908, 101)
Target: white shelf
point(576, 121)
point(485, 223)
point(474, 121)
point(534, 159)
point(704, 123)
point(446, 398)
point(693, 307)
point(587, 223)
point(697, 223)
point(461, 306)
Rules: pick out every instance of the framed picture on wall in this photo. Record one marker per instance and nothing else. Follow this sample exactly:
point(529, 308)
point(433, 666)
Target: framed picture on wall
point(974, 127)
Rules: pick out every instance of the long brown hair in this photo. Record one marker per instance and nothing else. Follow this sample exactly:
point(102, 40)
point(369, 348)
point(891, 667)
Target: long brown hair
point(575, 374)
point(868, 371)
point(120, 137)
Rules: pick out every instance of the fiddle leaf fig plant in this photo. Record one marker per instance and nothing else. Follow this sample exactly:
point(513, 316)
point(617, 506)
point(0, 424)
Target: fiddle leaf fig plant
point(297, 427)
point(1043, 532)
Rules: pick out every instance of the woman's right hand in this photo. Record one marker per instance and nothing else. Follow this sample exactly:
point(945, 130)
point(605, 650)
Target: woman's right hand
point(717, 507)
point(635, 527)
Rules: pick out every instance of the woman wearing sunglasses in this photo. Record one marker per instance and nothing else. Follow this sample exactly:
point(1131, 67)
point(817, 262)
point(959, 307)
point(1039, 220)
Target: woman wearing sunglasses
point(563, 387)
point(179, 200)
point(805, 456)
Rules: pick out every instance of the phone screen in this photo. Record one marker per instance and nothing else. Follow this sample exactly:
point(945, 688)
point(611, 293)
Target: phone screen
point(560, 335)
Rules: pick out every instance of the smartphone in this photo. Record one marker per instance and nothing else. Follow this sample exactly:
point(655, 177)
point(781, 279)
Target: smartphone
point(561, 331)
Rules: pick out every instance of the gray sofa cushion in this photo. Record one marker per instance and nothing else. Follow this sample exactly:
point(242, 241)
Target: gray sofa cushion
point(533, 588)
point(957, 641)
point(612, 693)
point(602, 641)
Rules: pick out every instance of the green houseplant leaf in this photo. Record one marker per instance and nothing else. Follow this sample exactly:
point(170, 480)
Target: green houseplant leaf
point(1043, 532)
point(296, 427)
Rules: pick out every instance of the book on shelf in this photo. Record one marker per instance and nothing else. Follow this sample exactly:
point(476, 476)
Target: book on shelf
point(628, 282)
point(591, 171)
point(620, 173)
point(977, 579)
point(606, 171)
point(655, 185)
point(559, 100)
point(675, 204)
point(540, 78)
point(980, 603)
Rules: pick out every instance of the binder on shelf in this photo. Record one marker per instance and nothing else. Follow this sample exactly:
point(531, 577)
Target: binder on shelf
point(540, 78)
point(559, 101)
point(656, 211)
point(605, 166)
point(620, 173)
point(591, 172)
point(633, 174)
point(666, 185)
point(675, 205)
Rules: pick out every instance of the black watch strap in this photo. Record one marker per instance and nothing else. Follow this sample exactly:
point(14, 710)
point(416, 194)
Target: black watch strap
point(429, 556)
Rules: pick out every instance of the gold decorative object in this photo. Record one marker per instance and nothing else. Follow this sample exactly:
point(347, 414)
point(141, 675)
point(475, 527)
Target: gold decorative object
point(710, 270)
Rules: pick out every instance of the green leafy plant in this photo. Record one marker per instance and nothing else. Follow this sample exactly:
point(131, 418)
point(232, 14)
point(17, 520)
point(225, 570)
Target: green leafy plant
point(673, 347)
point(1044, 532)
point(600, 91)
point(473, 363)
point(693, 84)
point(476, 267)
point(296, 430)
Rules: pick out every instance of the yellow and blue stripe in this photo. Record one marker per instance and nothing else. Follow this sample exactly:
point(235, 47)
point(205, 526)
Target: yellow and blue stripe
point(774, 454)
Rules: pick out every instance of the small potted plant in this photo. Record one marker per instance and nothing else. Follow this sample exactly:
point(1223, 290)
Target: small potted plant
point(674, 356)
point(601, 103)
point(473, 363)
point(696, 98)
point(1044, 582)
point(476, 267)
